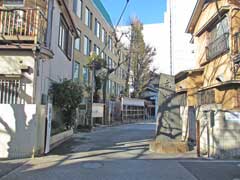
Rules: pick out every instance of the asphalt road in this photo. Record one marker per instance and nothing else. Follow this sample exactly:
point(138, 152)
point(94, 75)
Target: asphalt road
point(121, 153)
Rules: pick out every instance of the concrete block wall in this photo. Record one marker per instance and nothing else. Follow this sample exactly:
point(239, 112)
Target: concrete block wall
point(221, 140)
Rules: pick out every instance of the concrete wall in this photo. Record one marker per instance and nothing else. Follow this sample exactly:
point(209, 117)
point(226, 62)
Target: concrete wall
point(11, 63)
point(22, 129)
point(59, 138)
point(223, 138)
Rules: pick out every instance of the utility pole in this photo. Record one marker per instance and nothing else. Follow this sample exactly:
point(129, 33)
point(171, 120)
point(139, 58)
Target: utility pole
point(92, 92)
point(170, 31)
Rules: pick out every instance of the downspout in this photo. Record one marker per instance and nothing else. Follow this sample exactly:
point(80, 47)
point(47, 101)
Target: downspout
point(51, 7)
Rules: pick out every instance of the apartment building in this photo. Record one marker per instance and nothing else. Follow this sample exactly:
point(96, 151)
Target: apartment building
point(95, 31)
point(212, 89)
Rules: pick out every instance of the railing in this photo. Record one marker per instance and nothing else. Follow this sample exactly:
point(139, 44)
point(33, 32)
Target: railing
point(23, 24)
point(10, 91)
point(218, 47)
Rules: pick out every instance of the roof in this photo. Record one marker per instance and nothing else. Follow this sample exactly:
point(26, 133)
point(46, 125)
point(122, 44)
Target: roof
point(195, 15)
point(222, 84)
point(103, 11)
point(183, 74)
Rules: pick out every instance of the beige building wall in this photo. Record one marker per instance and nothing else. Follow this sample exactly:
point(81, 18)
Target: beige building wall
point(86, 31)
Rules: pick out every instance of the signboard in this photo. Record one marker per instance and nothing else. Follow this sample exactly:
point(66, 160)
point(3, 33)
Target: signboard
point(133, 102)
point(97, 110)
point(232, 116)
point(48, 131)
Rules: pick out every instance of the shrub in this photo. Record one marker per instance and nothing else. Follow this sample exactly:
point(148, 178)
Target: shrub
point(67, 95)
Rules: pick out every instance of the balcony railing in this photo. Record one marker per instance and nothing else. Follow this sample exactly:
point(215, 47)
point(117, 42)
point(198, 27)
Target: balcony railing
point(23, 25)
point(218, 47)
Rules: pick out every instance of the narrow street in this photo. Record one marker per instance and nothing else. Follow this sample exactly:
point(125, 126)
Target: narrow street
point(120, 153)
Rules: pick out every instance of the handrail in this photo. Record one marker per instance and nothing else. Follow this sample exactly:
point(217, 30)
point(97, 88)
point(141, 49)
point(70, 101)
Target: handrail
point(23, 22)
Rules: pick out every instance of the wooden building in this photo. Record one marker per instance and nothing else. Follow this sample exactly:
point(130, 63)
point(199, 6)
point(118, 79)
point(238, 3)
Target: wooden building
point(212, 88)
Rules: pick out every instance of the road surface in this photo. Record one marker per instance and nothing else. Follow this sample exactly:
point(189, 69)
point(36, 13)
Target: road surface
point(120, 153)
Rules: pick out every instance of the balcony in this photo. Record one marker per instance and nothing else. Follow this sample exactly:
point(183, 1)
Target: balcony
point(218, 47)
point(22, 25)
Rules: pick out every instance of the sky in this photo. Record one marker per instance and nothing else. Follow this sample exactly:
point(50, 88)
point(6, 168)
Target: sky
point(148, 11)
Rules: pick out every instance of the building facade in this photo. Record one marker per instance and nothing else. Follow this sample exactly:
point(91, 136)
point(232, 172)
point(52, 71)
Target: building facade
point(213, 87)
point(96, 35)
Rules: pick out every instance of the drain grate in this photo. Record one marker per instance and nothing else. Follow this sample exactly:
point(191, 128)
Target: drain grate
point(92, 165)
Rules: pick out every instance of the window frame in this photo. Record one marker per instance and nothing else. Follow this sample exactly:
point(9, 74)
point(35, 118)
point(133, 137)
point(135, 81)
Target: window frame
point(85, 71)
point(79, 42)
point(88, 18)
point(77, 8)
point(65, 38)
point(87, 45)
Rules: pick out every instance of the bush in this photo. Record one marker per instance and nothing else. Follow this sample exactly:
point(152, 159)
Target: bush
point(67, 96)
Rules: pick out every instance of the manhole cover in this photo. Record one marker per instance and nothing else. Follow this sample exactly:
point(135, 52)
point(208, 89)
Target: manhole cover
point(92, 165)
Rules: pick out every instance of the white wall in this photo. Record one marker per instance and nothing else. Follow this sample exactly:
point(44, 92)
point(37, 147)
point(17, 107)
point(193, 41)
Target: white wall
point(21, 130)
point(60, 67)
point(12, 63)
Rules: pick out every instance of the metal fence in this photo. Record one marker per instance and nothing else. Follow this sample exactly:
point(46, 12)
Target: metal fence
point(10, 91)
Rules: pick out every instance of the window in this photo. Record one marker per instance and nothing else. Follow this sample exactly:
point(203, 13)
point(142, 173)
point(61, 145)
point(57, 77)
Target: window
point(114, 66)
point(76, 71)
point(65, 38)
point(88, 18)
point(103, 36)
point(220, 28)
point(109, 63)
point(114, 88)
point(77, 7)
point(96, 49)
point(104, 57)
point(219, 39)
point(87, 46)
point(77, 44)
point(110, 43)
point(206, 97)
point(85, 75)
point(110, 86)
point(97, 28)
